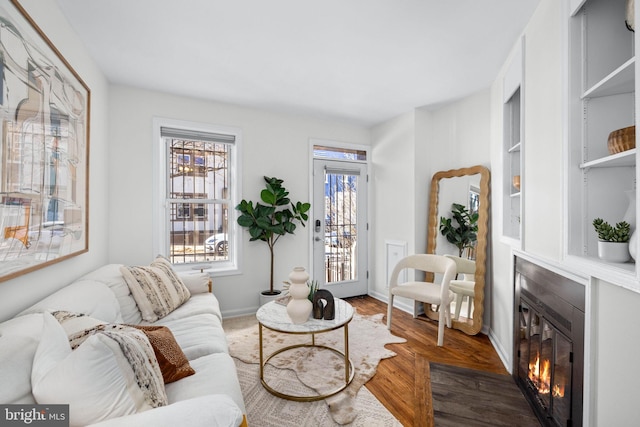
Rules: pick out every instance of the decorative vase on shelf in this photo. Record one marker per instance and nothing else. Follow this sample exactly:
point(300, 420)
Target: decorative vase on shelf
point(630, 217)
point(630, 214)
point(299, 307)
point(613, 251)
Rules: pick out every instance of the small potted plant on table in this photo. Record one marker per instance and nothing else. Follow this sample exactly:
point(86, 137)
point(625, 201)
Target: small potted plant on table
point(613, 241)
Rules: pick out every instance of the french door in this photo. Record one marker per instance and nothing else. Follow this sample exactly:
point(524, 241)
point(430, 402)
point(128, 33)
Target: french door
point(340, 227)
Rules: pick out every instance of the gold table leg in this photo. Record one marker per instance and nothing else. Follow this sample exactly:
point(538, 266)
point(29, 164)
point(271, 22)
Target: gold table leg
point(346, 354)
point(261, 354)
point(349, 368)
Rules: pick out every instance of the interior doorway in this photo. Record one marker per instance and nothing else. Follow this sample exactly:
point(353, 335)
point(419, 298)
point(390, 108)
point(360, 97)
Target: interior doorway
point(340, 222)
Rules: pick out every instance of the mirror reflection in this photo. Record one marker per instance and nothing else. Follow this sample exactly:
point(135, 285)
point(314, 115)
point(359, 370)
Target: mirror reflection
point(458, 218)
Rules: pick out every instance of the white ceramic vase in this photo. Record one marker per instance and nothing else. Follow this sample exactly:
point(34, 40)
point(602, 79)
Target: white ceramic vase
point(630, 217)
point(613, 251)
point(299, 307)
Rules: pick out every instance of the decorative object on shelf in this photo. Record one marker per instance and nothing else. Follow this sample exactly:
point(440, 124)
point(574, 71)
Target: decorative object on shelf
point(629, 18)
point(324, 310)
point(516, 182)
point(613, 242)
point(622, 140)
point(630, 214)
point(466, 233)
point(630, 217)
point(299, 307)
point(275, 218)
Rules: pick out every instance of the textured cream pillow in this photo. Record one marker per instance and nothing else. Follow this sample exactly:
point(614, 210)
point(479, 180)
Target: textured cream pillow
point(157, 289)
point(111, 374)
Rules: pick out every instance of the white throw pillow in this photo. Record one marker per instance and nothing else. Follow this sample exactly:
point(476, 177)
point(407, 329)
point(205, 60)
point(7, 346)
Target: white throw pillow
point(97, 379)
point(197, 283)
point(157, 289)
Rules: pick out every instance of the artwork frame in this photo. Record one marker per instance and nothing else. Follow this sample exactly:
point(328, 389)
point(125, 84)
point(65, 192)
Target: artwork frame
point(44, 149)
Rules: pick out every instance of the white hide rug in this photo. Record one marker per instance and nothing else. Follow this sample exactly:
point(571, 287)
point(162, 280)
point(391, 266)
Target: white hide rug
point(305, 370)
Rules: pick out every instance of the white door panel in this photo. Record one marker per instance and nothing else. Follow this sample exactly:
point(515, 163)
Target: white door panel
point(340, 227)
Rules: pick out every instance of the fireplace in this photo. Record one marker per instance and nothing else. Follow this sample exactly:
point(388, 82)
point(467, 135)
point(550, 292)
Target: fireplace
point(549, 343)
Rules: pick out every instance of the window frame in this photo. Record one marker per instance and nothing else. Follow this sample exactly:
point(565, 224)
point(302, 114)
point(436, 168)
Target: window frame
point(161, 209)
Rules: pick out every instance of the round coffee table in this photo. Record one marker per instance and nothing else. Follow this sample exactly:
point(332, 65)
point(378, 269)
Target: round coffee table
point(274, 316)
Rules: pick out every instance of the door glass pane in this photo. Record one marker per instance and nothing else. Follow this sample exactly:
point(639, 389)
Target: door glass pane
point(340, 213)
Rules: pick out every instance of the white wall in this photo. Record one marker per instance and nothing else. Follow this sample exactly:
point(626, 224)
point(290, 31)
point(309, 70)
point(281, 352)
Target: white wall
point(393, 218)
point(19, 293)
point(407, 151)
point(544, 98)
point(273, 145)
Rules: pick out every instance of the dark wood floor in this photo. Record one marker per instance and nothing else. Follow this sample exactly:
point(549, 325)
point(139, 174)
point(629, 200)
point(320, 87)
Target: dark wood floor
point(402, 383)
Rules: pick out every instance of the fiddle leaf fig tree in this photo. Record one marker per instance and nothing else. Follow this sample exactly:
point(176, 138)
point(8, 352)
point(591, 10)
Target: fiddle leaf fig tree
point(464, 233)
point(273, 217)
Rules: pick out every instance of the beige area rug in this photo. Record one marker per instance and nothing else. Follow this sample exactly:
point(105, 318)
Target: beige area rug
point(304, 370)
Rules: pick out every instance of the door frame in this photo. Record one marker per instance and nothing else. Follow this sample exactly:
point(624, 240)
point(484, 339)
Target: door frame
point(349, 146)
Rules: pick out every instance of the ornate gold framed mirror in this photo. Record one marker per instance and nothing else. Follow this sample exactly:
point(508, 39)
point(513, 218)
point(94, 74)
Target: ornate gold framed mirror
point(468, 187)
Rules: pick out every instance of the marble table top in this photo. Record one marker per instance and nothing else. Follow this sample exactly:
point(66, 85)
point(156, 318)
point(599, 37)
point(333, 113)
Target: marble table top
point(274, 316)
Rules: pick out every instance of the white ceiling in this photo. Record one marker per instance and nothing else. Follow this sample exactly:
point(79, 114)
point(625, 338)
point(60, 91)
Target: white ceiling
point(361, 60)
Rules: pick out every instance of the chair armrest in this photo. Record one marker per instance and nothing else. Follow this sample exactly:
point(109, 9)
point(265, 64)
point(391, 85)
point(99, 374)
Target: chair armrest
point(212, 410)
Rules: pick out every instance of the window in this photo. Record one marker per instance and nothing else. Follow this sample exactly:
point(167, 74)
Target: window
point(196, 202)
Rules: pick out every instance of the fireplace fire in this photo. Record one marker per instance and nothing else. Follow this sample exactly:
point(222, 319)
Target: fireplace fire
point(549, 343)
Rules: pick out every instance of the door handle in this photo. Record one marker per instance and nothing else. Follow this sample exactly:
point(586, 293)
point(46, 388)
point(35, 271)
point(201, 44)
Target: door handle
point(317, 239)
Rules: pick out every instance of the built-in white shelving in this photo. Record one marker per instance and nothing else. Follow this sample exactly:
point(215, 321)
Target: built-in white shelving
point(602, 85)
point(513, 149)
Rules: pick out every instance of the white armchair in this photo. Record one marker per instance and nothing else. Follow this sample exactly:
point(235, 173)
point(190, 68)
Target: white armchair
point(425, 292)
point(463, 287)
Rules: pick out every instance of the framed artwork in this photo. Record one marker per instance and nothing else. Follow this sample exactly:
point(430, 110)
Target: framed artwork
point(44, 149)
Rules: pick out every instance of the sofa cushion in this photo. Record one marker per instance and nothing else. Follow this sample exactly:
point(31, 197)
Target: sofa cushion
point(173, 362)
point(156, 288)
point(111, 374)
point(197, 304)
point(111, 276)
point(215, 374)
point(198, 335)
point(83, 296)
point(18, 343)
point(212, 410)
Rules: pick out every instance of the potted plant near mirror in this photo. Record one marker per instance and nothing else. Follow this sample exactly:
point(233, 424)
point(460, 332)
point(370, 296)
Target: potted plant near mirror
point(465, 233)
point(270, 219)
point(613, 241)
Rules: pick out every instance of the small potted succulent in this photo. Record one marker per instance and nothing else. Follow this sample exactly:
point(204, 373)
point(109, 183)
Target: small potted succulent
point(613, 241)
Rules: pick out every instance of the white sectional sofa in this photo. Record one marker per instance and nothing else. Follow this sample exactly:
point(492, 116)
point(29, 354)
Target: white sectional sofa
point(210, 397)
